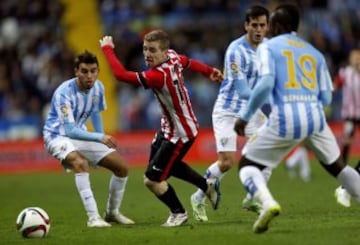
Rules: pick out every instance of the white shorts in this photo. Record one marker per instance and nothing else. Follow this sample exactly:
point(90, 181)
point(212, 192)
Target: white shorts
point(61, 146)
point(225, 136)
point(269, 149)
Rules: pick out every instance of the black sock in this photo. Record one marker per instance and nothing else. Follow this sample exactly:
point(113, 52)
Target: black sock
point(345, 152)
point(170, 199)
point(184, 172)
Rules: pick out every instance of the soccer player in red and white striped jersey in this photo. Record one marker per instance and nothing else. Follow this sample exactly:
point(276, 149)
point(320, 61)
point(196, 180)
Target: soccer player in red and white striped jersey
point(349, 80)
point(179, 126)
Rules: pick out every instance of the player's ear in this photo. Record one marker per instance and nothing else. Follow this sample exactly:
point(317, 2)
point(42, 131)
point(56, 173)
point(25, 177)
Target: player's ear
point(246, 26)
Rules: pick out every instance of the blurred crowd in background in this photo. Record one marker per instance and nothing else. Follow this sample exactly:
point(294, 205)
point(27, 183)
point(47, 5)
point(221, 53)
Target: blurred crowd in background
point(35, 58)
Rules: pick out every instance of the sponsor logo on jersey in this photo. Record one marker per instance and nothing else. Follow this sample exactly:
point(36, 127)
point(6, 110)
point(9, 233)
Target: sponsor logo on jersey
point(95, 99)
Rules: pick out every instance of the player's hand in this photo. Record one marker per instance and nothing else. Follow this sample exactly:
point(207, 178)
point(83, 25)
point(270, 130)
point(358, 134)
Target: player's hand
point(109, 141)
point(216, 75)
point(107, 41)
point(239, 126)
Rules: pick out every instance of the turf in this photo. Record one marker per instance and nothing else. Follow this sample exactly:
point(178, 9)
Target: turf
point(309, 215)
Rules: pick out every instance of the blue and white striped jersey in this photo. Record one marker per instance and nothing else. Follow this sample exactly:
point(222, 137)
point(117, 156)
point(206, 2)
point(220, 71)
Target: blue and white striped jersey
point(301, 74)
point(240, 72)
point(71, 105)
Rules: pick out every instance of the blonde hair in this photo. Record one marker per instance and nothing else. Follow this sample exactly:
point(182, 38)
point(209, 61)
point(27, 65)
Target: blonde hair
point(158, 35)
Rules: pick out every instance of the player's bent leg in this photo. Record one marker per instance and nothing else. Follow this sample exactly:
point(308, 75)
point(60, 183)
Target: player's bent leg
point(350, 180)
point(342, 195)
point(215, 170)
point(348, 177)
point(255, 183)
point(114, 162)
point(248, 202)
point(82, 181)
point(166, 194)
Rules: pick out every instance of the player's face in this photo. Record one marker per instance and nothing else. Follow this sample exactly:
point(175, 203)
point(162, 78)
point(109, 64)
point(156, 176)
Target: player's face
point(256, 29)
point(153, 54)
point(87, 75)
point(355, 59)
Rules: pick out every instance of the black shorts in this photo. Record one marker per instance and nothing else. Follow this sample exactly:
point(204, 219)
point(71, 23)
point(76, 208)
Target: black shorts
point(164, 155)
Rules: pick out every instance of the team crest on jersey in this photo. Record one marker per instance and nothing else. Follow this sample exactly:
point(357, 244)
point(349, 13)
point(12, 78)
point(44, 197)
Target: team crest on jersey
point(224, 141)
point(64, 110)
point(95, 99)
point(233, 67)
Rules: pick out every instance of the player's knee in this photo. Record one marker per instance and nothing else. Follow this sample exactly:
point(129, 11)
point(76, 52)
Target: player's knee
point(80, 164)
point(225, 165)
point(120, 171)
point(115, 164)
point(147, 182)
point(226, 161)
point(119, 168)
point(155, 186)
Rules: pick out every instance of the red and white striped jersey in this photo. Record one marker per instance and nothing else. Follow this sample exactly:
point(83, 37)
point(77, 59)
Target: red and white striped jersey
point(178, 119)
point(350, 81)
point(166, 80)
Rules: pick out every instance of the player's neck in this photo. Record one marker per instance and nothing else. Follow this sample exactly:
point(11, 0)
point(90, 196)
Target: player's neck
point(252, 44)
point(81, 88)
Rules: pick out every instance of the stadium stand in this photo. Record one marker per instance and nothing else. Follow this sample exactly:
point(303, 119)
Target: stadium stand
point(35, 56)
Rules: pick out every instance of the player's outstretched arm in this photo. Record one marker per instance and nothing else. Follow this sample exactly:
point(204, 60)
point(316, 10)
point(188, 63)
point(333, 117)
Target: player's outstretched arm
point(212, 73)
point(107, 45)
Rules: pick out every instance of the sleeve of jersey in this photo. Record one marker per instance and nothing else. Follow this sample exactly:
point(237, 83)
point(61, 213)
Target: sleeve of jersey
point(101, 106)
point(118, 69)
point(234, 71)
point(148, 79)
point(74, 132)
point(195, 65)
point(263, 87)
point(97, 123)
point(258, 96)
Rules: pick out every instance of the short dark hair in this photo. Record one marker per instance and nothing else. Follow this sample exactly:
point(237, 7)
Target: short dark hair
point(158, 35)
point(85, 57)
point(256, 11)
point(288, 16)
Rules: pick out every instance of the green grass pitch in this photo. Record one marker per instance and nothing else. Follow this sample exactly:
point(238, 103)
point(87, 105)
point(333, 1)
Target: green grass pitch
point(309, 215)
